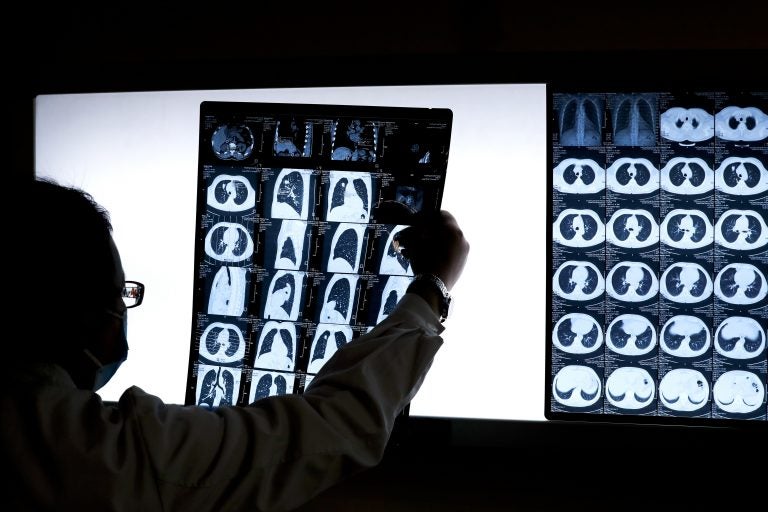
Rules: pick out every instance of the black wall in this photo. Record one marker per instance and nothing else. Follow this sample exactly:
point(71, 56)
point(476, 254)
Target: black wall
point(479, 466)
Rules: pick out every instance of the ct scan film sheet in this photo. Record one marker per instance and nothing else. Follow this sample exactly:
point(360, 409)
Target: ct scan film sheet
point(292, 261)
point(658, 256)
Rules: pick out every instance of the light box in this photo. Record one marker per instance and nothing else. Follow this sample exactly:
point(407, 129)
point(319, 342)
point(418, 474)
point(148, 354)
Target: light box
point(137, 154)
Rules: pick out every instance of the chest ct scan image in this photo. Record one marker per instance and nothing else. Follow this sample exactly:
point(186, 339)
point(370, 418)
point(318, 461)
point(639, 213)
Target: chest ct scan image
point(659, 244)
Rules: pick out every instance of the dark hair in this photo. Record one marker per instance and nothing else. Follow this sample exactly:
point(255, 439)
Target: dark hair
point(66, 269)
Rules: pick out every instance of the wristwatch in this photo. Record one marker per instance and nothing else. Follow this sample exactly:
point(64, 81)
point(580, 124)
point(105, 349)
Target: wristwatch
point(445, 297)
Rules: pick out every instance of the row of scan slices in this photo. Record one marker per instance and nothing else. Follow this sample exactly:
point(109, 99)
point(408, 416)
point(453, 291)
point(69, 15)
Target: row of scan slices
point(660, 252)
point(669, 373)
point(293, 262)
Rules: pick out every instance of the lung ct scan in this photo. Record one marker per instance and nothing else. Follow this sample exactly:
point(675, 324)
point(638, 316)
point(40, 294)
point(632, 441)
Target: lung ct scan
point(293, 257)
point(657, 307)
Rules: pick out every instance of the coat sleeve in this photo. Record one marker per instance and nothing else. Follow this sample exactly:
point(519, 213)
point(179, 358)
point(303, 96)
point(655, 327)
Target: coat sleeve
point(281, 451)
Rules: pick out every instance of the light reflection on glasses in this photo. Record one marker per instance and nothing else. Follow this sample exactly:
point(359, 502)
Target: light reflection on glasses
point(133, 294)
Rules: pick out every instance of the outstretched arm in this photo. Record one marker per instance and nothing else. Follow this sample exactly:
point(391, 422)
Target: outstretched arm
point(282, 451)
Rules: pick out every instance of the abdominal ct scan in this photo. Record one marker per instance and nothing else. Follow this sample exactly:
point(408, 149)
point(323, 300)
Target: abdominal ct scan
point(296, 251)
point(684, 390)
point(739, 391)
point(630, 388)
point(577, 386)
point(657, 239)
point(232, 142)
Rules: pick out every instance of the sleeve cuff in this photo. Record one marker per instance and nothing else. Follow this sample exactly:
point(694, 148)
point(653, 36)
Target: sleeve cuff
point(414, 307)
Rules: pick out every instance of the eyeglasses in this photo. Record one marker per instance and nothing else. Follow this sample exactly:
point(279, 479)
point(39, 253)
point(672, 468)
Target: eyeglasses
point(133, 293)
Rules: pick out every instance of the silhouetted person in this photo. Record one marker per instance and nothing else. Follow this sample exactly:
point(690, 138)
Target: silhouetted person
point(65, 449)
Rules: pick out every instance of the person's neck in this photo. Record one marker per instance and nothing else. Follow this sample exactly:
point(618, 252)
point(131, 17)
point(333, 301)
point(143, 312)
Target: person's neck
point(80, 368)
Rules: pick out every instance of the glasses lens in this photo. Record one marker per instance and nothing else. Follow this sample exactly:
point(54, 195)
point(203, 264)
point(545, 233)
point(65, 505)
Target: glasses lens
point(133, 294)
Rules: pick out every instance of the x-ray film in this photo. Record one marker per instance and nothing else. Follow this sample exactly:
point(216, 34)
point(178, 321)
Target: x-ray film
point(266, 383)
point(217, 385)
point(658, 257)
point(328, 338)
point(293, 257)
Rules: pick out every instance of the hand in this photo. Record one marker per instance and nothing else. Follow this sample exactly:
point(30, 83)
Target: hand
point(434, 244)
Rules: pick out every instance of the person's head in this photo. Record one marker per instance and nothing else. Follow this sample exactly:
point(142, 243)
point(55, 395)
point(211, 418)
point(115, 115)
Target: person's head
point(68, 282)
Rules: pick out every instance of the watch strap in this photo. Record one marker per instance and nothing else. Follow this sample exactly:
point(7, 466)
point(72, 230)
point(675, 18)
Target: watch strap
point(445, 296)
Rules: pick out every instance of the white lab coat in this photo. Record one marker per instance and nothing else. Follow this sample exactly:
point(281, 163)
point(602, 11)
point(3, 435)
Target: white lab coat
point(67, 450)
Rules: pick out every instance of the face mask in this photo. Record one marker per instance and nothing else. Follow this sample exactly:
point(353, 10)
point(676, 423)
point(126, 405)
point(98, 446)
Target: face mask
point(105, 372)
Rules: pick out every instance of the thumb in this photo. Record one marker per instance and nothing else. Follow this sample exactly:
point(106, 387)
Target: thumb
point(394, 212)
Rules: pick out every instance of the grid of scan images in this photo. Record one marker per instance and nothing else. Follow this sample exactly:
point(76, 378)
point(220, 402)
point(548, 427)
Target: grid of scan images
point(659, 255)
point(292, 259)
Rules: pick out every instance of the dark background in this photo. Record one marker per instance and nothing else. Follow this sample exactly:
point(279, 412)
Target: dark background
point(438, 464)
